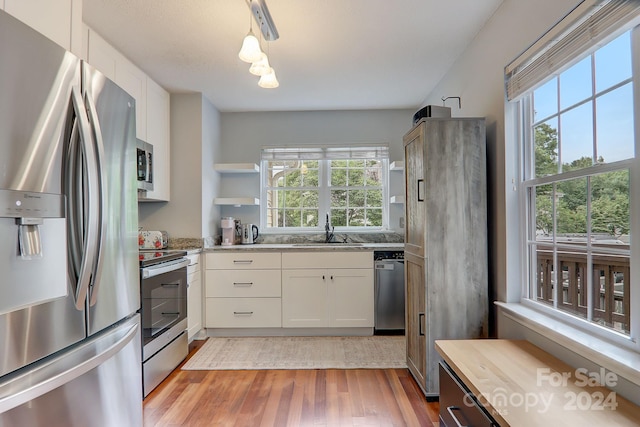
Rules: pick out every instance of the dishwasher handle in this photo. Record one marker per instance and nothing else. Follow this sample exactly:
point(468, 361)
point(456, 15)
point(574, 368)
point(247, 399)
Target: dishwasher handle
point(387, 265)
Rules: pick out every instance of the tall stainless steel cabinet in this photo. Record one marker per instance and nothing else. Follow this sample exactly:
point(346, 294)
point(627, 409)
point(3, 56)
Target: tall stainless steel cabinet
point(445, 239)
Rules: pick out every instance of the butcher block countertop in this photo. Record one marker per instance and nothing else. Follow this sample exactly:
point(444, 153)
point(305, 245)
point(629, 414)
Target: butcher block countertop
point(521, 385)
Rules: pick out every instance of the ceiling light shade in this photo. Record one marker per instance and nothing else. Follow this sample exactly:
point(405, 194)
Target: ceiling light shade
point(261, 66)
point(250, 51)
point(269, 80)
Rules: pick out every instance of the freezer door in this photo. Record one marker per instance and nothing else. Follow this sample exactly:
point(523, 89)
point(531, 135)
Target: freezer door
point(37, 314)
point(97, 384)
point(36, 78)
point(115, 290)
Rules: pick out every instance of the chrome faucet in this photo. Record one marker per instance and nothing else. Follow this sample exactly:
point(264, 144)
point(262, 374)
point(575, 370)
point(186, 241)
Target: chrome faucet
point(328, 229)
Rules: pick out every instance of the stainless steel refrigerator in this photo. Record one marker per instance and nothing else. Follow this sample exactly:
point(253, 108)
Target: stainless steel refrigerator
point(69, 286)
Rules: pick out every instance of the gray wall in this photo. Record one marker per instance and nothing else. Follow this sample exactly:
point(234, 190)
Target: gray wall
point(195, 130)
point(478, 77)
point(210, 178)
point(244, 134)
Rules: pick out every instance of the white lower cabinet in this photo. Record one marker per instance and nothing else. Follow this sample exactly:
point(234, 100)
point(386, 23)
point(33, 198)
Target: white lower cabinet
point(243, 313)
point(194, 296)
point(243, 290)
point(304, 298)
point(338, 295)
point(327, 298)
point(309, 289)
point(351, 298)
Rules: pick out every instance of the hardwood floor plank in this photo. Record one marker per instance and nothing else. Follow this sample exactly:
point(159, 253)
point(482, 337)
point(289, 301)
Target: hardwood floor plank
point(277, 383)
point(316, 398)
point(320, 407)
point(400, 401)
point(300, 387)
point(255, 402)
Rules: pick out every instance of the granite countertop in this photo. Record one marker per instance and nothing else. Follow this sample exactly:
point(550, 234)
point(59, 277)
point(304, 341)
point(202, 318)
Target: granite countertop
point(193, 245)
point(289, 247)
point(300, 242)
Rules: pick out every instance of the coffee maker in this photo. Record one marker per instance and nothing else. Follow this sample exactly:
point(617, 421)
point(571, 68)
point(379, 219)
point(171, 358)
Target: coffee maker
point(228, 225)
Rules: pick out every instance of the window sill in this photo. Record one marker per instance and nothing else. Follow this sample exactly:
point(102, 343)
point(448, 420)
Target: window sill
point(622, 361)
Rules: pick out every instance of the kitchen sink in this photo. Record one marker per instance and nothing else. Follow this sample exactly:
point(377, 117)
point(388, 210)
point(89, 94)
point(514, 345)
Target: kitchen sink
point(327, 244)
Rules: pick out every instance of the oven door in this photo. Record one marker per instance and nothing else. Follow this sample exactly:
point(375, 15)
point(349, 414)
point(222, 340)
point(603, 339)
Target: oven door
point(164, 303)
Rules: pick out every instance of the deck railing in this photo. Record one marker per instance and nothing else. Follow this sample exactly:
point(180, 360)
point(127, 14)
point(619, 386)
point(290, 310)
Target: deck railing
point(611, 279)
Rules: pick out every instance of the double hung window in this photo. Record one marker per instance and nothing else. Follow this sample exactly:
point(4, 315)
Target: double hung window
point(301, 186)
point(576, 115)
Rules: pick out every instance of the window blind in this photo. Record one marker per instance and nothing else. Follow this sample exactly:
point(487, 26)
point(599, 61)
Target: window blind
point(589, 24)
point(325, 153)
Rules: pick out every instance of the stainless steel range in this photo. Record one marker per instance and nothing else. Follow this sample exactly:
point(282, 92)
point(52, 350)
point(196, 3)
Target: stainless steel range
point(163, 289)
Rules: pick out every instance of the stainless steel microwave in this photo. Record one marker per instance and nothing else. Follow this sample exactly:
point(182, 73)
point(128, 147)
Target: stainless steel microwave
point(145, 166)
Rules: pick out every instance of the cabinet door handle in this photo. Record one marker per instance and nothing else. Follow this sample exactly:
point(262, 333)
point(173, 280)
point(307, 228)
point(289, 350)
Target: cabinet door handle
point(242, 283)
point(323, 277)
point(450, 410)
point(420, 190)
point(332, 277)
point(420, 322)
point(242, 261)
point(243, 313)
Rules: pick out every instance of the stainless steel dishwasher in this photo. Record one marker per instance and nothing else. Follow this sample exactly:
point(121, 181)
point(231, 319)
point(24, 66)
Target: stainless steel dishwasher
point(389, 292)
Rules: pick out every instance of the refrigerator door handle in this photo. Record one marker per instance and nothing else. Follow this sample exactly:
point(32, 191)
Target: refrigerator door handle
point(63, 369)
point(89, 246)
point(101, 229)
point(74, 212)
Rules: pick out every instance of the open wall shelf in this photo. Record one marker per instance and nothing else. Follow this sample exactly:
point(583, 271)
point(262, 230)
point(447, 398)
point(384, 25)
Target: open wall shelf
point(236, 167)
point(397, 165)
point(237, 201)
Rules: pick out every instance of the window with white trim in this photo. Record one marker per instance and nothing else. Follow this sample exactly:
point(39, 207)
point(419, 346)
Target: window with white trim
point(577, 108)
point(301, 186)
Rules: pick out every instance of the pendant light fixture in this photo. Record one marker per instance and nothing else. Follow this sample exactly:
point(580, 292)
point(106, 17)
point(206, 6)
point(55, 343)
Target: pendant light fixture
point(269, 80)
point(250, 50)
point(261, 66)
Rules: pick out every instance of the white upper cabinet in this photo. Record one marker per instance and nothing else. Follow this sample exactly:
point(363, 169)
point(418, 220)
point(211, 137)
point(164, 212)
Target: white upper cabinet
point(152, 109)
point(102, 55)
point(158, 128)
point(134, 81)
point(59, 20)
point(118, 68)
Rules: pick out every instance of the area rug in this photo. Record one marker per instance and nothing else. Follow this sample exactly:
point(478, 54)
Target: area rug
point(375, 352)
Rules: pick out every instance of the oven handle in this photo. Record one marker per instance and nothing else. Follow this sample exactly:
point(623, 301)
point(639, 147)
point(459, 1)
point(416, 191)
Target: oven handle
point(165, 267)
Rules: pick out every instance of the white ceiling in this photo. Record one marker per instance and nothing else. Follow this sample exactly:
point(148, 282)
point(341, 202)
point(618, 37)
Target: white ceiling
point(331, 54)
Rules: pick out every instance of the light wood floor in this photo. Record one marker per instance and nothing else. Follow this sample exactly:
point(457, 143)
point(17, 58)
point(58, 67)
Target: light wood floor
point(332, 397)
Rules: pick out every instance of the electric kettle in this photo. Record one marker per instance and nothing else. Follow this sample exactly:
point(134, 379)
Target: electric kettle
point(249, 234)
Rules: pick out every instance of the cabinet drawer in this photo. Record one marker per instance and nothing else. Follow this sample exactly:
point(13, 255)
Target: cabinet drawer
point(457, 406)
point(243, 313)
point(193, 277)
point(243, 261)
point(332, 259)
point(194, 263)
point(243, 283)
